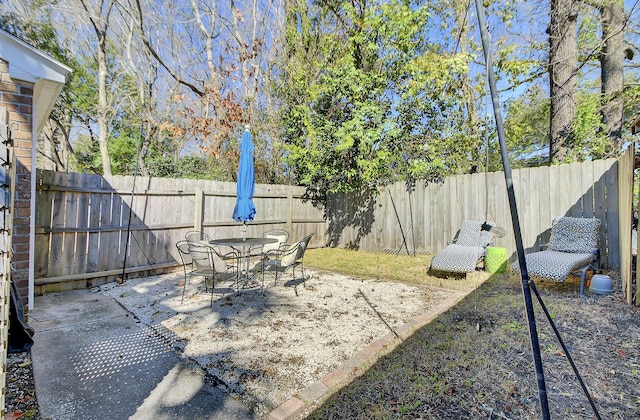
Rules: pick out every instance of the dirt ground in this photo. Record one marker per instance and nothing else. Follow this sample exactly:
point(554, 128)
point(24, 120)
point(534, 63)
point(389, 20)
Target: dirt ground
point(475, 361)
point(472, 362)
point(267, 347)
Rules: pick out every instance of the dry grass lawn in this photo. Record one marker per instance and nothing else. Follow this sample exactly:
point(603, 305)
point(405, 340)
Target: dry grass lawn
point(402, 267)
point(475, 361)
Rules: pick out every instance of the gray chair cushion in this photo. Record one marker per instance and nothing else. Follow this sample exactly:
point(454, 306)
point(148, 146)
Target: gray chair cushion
point(457, 258)
point(471, 234)
point(554, 265)
point(571, 246)
point(574, 234)
point(463, 255)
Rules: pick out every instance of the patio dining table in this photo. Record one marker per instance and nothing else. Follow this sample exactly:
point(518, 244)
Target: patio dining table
point(243, 246)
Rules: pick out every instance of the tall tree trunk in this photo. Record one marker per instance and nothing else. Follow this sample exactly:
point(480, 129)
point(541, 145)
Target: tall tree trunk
point(103, 134)
point(563, 63)
point(100, 22)
point(57, 147)
point(611, 61)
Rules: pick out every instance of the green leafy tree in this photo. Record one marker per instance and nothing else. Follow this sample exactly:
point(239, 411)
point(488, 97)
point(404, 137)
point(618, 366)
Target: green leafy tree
point(367, 99)
point(527, 129)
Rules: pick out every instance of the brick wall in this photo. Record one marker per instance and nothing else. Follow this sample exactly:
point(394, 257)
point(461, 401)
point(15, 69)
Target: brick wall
point(17, 97)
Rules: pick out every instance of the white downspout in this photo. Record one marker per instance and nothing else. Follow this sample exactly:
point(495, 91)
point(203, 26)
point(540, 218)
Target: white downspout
point(32, 207)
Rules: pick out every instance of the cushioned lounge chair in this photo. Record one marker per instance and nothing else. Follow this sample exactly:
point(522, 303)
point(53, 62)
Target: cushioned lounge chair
point(572, 248)
point(468, 247)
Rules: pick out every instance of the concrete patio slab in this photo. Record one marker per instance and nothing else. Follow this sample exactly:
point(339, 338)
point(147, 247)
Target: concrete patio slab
point(93, 360)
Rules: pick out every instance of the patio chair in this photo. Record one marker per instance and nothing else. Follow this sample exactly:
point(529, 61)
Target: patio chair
point(466, 250)
point(205, 261)
point(196, 235)
point(199, 236)
point(572, 248)
point(267, 250)
point(284, 258)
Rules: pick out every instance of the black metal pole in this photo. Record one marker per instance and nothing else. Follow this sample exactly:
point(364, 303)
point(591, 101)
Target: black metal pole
point(409, 186)
point(404, 239)
point(526, 291)
point(413, 238)
point(133, 190)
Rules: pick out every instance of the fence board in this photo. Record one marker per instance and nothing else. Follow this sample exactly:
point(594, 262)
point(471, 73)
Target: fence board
point(535, 204)
point(479, 194)
point(574, 190)
point(422, 217)
point(438, 192)
point(600, 204)
point(428, 218)
point(625, 172)
point(398, 195)
point(469, 203)
point(525, 210)
point(588, 179)
point(564, 196)
point(82, 222)
point(103, 215)
point(450, 224)
point(410, 226)
point(391, 220)
point(42, 218)
point(491, 187)
point(411, 211)
point(395, 229)
point(70, 220)
point(114, 253)
point(613, 216)
point(545, 218)
point(58, 213)
point(95, 201)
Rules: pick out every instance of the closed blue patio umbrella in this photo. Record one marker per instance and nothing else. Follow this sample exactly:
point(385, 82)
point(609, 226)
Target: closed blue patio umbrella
point(244, 209)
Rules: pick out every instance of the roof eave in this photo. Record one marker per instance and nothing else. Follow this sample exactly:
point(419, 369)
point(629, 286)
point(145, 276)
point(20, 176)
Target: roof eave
point(28, 64)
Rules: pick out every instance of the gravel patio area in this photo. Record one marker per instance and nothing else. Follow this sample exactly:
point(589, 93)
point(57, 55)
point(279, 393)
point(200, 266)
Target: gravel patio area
point(266, 347)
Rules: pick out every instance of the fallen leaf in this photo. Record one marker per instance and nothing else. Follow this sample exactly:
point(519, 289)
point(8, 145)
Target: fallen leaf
point(17, 414)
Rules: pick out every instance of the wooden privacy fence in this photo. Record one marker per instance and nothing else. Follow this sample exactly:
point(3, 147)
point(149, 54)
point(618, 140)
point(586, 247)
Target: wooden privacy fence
point(424, 218)
point(82, 222)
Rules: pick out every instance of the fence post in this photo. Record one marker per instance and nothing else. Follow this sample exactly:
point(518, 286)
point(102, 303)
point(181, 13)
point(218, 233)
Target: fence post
point(198, 211)
point(290, 209)
point(625, 203)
